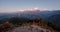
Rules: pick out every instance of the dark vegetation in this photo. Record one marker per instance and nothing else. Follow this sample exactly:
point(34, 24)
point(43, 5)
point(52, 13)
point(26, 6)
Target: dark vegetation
point(9, 24)
point(55, 19)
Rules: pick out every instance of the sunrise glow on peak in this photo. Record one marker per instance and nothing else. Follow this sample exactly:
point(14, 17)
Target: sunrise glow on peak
point(33, 9)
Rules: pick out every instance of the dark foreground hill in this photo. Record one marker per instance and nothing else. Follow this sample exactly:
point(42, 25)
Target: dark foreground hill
point(16, 22)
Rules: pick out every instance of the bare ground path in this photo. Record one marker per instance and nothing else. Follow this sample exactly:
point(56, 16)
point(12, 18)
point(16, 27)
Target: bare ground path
point(31, 28)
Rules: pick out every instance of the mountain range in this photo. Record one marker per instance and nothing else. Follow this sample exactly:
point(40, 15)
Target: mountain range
point(52, 16)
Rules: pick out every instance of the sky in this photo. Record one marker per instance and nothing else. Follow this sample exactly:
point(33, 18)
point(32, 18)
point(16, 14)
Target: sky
point(16, 5)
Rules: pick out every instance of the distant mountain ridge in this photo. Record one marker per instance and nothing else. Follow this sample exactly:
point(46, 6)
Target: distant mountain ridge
point(32, 15)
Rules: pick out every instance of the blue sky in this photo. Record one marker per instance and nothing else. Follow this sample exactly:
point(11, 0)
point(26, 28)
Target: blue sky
point(13, 5)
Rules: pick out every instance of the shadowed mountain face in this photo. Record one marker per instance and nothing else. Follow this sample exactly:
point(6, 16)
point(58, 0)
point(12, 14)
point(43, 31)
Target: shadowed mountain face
point(52, 16)
point(55, 19)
